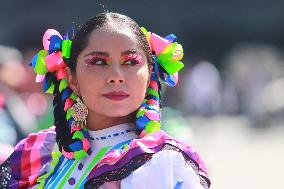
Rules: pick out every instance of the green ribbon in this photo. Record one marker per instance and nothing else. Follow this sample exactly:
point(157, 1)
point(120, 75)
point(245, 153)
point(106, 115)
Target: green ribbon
point(80, 154)
point(63, 84)
point(167, 61)
point(140, 112)
point(152, 126)
point(40, 67)
point(68, 113)
point(66, 46)
point(50, 90)
point(78, 135)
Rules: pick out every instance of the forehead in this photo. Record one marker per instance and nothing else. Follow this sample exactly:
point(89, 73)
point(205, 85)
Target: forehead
point(109, 37)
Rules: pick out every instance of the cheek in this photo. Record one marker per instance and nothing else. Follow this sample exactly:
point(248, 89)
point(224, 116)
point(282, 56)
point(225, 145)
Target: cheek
point(139, 87)
point(89, 83)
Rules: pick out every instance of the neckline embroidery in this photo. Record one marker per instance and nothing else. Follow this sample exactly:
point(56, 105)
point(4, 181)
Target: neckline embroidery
point(116, 131)
point(112, 135)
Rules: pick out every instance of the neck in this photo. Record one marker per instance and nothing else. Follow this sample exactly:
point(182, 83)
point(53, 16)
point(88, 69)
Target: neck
point(97, 122)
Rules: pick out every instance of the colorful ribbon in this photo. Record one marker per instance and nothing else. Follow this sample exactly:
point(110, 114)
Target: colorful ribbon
point(168, 54)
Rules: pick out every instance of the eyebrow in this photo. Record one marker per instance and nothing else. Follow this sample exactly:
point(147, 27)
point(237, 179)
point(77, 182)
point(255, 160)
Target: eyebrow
point(98, 53)
point(129, 52)
point(107, 54)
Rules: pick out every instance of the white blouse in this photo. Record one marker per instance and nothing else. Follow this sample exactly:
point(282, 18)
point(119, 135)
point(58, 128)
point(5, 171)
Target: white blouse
point(163, 171)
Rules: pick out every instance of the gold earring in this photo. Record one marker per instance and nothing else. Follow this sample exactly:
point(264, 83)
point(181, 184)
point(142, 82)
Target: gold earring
point(79, 112)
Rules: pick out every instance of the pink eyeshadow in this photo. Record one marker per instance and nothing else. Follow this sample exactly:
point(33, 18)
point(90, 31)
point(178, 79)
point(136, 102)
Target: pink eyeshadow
point(133, 56)
point(97, 56)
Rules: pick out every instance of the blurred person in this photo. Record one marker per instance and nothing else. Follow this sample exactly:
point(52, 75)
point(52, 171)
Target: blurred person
point(15, 119)
point(272, 99)
point(250, 70)
point(202, 91)
point(106, 87)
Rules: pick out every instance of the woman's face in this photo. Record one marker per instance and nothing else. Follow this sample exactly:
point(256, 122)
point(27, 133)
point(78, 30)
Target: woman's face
point(112, 73)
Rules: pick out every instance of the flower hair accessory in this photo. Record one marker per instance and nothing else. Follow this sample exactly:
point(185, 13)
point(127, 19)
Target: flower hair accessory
point(167, 54)
point(50, 67)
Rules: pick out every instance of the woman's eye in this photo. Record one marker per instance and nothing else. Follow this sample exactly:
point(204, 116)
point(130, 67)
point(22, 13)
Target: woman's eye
point(98, 62)
point(130, 62)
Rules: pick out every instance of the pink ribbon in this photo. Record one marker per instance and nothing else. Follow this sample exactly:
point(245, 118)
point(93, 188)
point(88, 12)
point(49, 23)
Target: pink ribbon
point(69, 155)
point(86, 144)
point(151, 114)
point(158, 43)
point(39, 78)
point(60, 74)
point(68, 103)
point(54, 62)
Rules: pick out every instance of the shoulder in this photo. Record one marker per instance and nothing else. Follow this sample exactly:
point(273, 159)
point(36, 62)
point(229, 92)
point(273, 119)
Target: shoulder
point(35, 140)
point(143, 150)
point(167, 167)
point(29, 156)
point(45, 137)
point(172, 157)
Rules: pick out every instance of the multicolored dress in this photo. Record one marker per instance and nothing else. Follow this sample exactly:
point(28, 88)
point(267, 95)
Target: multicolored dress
point(119, 160)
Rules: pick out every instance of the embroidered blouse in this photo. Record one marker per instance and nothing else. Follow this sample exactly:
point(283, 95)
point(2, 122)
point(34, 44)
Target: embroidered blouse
point(118, 160)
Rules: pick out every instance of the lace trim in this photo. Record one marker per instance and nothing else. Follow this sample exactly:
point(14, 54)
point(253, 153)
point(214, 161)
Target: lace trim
point(5, 174)
point(119, 174)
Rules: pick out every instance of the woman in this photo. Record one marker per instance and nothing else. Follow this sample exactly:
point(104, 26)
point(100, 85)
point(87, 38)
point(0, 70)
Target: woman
point(106, 87)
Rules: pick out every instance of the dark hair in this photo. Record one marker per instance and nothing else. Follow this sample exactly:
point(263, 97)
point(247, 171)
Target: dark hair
point(80, 41)
point(81, 38)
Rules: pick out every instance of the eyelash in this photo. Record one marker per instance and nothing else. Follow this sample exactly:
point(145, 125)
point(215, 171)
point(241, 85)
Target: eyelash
point(133, 58)
point(133, 62)
point(94, 61)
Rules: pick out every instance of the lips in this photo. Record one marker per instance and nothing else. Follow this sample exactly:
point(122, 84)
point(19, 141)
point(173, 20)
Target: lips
point(116, 95)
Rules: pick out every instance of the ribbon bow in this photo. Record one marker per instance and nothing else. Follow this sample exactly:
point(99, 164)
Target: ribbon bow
point(167, 53)
point(48, 63)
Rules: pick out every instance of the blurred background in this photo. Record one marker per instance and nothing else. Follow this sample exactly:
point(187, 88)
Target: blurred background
point(228, 105)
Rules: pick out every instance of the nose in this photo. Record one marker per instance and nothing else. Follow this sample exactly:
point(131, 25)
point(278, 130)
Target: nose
point(116, 76)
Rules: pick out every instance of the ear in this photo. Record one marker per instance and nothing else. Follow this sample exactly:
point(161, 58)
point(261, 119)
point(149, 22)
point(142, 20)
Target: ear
point(72, 79)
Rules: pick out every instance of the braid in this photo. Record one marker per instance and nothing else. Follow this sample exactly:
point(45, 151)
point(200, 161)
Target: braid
point(72, 141)
point(148, 116)
point(63, 134)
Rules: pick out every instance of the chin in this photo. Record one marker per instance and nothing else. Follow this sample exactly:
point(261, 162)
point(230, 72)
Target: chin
point(117, 113)
point(120, 113)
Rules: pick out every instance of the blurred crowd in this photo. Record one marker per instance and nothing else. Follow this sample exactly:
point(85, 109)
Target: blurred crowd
point(23, 108)
point(249, 82)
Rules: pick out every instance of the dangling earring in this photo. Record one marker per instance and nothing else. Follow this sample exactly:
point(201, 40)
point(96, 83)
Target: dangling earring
point(79, 112)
